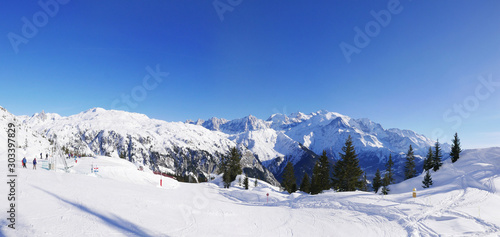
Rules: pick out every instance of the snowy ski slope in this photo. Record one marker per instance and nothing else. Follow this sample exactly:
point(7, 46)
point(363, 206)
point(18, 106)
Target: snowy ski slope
point(119, 200)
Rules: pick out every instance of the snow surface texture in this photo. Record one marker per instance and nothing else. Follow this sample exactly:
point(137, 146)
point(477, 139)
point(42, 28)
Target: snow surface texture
point(120, 200)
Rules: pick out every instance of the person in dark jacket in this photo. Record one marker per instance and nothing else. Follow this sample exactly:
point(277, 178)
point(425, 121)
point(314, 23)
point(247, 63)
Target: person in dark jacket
point(24, 162)
point(34, 163)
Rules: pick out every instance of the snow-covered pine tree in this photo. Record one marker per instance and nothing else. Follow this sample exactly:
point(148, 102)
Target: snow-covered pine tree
point(455, 149)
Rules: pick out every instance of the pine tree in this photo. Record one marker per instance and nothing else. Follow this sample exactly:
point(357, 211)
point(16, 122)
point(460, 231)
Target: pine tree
point(377, 181)
point(386, 181)
point(437, 157)
point(389, 170)
point(410, 170)
point(315, 188)
point(305, 185)
point(365, 183)
point(346, 172)
point(427, 180)
point(324, 172)
point(429, 160)
point(224, 170)
point(339, 175)
point(321, 175)
point(245, 182)
point(455, 149)
point(289, 182)
point(230, 167)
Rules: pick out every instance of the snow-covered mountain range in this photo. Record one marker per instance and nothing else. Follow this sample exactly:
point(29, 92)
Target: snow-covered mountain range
point(196, 147)
point(300, 138)
point(172, 147)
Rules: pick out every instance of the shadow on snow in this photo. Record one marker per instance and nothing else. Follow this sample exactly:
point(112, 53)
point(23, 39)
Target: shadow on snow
point(114, 221)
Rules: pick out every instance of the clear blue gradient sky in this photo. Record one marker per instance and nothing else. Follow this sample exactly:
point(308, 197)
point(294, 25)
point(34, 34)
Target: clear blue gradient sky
point(418, 71)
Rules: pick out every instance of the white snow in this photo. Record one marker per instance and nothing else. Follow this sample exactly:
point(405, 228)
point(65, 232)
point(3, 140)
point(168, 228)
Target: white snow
point(120, 200)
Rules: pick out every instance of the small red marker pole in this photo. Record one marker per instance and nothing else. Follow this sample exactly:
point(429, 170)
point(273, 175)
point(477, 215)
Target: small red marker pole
point(267, 197)
point(161, 181)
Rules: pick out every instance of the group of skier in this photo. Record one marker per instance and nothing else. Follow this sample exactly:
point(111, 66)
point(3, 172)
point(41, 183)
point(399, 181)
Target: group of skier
point(34, 161)
point(24, 163)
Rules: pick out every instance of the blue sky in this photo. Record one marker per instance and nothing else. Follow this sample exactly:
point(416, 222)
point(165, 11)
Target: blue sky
point(418, 71)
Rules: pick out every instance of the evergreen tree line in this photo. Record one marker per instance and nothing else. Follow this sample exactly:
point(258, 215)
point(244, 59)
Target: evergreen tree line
point(431, 162)
point(346, 175)
point(433, 159)
point(387, 180)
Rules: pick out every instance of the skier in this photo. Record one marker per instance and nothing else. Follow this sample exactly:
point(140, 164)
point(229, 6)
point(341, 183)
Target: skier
point(24, 162)
point(47, 156)
point(34, 163)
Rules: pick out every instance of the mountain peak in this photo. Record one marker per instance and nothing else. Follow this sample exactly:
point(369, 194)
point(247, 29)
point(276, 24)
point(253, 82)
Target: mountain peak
point(95, 110)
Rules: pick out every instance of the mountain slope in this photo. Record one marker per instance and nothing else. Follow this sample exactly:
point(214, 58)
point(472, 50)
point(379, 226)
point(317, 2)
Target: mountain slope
point(196, 147)
point(172, 147)
point(323, 130)
point(29, 143)
point(274, 148)
point(300, 138)
point(122, 201)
